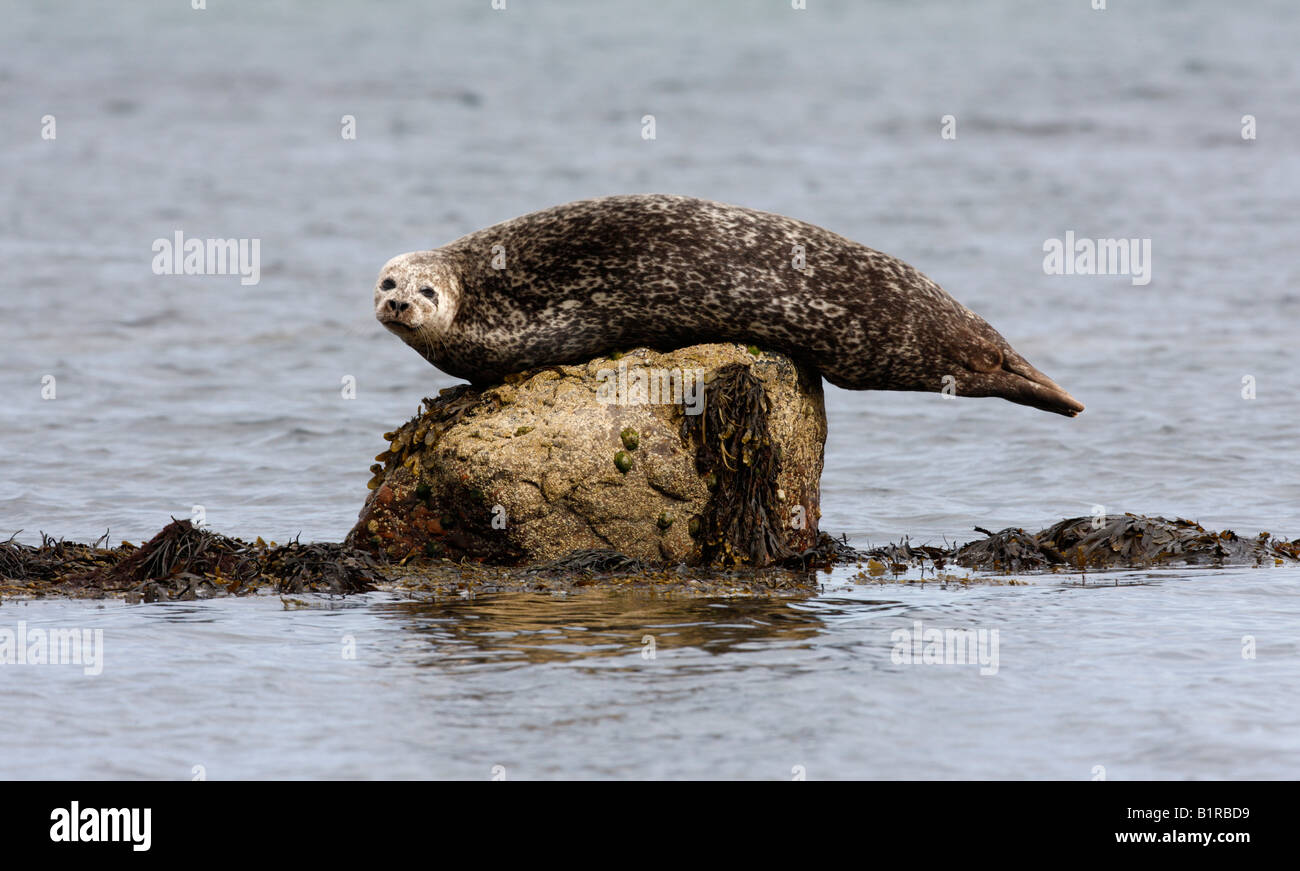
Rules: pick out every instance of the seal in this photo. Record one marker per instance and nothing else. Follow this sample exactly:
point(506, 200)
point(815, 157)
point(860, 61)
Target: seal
point(572, 282)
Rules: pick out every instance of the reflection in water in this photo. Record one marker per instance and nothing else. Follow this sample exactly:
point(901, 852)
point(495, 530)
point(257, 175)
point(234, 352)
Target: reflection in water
point(538, 628)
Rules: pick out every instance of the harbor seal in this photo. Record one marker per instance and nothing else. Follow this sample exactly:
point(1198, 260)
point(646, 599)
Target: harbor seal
point(576, 281)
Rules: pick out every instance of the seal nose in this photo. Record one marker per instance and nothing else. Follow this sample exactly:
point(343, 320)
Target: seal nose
point(398, 307)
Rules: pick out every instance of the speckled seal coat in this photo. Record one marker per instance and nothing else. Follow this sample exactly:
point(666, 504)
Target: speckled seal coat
point(571, 282)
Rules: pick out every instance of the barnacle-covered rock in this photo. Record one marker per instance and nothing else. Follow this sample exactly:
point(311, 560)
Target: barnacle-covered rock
point(602, 456)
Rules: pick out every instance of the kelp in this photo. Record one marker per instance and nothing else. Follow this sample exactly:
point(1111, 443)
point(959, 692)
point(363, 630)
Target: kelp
point(742, 522)
point(1082, 543)
point(184, 562)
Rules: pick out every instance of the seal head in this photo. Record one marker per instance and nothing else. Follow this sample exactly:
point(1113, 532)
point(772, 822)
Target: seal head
point(416, 297)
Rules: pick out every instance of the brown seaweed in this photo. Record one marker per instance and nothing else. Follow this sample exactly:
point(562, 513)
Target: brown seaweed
point(186, 562)
point(741, 523)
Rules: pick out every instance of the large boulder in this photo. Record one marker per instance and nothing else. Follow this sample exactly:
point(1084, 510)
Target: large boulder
point(706, 454)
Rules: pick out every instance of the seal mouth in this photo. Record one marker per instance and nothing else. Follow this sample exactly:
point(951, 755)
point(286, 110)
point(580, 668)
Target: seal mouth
point(1019, 382)
point(390, 323)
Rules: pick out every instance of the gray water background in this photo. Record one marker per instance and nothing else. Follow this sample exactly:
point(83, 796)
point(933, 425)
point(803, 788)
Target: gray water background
point(175, 391)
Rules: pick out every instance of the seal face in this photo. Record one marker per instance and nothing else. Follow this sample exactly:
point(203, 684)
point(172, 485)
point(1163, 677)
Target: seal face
point(416, 298)
point(575, 281)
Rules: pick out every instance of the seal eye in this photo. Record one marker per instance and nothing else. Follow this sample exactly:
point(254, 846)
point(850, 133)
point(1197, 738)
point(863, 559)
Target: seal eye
point(429, 293)
point(388, 284)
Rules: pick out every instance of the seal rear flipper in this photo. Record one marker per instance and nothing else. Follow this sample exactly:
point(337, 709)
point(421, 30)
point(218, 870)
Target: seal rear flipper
point(1017, 381)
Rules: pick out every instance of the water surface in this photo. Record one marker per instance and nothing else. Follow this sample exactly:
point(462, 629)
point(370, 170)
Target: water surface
point(174, 391)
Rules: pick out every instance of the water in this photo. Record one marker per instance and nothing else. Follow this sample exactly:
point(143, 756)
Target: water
point(181, 391)
point(1146, 681)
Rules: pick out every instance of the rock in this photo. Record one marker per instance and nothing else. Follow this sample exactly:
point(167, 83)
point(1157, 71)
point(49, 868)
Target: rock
point(621, 454)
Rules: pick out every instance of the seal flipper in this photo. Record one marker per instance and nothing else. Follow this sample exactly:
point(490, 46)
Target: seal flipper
point(1017, 381)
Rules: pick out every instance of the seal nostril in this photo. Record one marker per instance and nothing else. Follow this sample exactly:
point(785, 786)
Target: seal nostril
point(392, 304)
point(388, 284)
point(404, 306)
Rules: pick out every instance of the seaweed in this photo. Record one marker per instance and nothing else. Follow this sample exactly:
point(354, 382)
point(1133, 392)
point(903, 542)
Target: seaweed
point(322, 567)
point(431, 420)
point(1135, 539)
point(1011, 549)
point(903, 554)
point(827, 552)
point(185, 562)
point(180, 554)
point(740, 524)
point(55, 558)
point(591, 561)
point(1122, 540)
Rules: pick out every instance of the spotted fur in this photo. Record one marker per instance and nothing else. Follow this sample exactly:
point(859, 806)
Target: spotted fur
point(582, 279)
